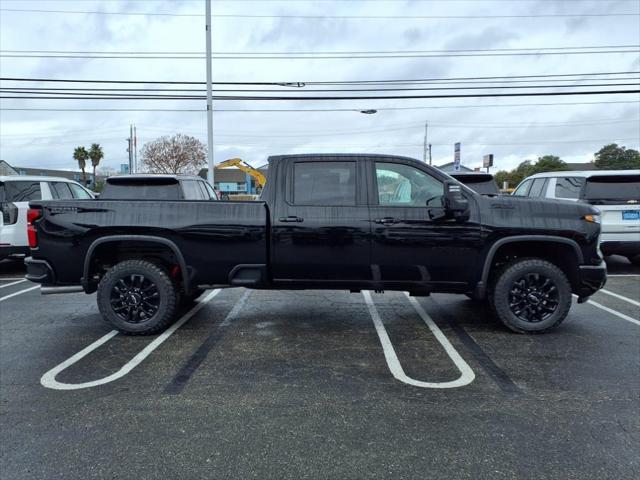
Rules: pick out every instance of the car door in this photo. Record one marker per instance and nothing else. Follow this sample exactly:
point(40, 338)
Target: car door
point(409, 243)
point(320, 226)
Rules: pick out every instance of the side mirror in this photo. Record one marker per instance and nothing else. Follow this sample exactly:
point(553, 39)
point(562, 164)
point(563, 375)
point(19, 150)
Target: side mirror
point(455, 203)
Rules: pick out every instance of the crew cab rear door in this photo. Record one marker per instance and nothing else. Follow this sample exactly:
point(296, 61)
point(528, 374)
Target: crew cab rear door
point(320, 222)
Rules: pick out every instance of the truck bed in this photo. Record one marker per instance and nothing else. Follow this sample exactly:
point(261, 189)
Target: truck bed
point(213, 237)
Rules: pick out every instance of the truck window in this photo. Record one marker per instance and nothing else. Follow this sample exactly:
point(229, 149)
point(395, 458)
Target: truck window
point(404, 185)
point(523, 189)
point(21, 191)
point(191, 190)
point(324, 183)
point(158, 188)
point(60, 190)
point(568, 187)
point(537, 187)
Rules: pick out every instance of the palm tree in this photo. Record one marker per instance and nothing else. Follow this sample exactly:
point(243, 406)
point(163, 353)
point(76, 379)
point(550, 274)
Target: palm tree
point(81, 155)
point(95, 154)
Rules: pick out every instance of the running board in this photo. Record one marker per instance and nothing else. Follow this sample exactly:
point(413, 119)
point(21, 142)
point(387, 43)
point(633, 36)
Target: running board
point(65, 289)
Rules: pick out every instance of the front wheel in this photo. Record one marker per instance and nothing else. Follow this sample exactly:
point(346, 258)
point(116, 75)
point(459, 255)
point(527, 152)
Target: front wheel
point(531, 296)
point(137, 297)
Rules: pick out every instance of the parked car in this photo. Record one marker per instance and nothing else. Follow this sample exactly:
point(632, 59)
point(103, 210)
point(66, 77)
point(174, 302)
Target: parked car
point(15, 193)
point(483, 183)
point(346, 221)
point(616, 193)
point(157, 187)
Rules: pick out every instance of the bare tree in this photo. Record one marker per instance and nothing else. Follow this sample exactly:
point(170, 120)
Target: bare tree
point(180, 154)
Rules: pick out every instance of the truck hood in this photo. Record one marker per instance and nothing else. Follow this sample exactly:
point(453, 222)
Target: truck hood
point(539, 205)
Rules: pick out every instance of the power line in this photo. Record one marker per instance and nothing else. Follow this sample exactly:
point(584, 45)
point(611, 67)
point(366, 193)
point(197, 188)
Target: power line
point(498, 79)
point(91, 91)
point(323, 98)
point(331, 17)
point(150, 52)
point(319, 57)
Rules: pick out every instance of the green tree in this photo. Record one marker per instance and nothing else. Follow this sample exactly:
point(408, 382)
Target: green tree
point(81, 155)
point(614, 157)
point(95, 154)
point(549, 163)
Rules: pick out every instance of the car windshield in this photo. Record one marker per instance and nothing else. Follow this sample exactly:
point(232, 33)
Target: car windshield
point(612, 189)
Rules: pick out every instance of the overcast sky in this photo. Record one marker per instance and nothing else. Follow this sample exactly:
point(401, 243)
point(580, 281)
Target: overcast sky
point(512, 134)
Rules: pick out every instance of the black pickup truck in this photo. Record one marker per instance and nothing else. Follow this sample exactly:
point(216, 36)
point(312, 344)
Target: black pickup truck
point(345, 221)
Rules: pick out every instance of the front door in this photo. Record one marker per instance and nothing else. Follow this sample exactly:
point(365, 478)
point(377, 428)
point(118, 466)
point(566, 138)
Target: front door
point(321, 226)
point(408, 245)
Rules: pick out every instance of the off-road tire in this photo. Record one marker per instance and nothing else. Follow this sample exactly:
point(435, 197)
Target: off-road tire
point(501, 294)
point(166, 298)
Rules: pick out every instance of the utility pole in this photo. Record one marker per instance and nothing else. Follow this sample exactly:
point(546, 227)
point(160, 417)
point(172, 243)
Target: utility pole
point(425, 145)
point(210, 173)
point(429, 154)
point(135, 150)
point(130, 148)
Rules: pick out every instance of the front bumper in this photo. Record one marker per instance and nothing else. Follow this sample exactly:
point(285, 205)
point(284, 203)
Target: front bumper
point(591, 278)
point(39, 271)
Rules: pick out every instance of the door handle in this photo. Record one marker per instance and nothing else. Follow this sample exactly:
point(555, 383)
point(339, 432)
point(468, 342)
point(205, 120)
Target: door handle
point(291, 219)
point(386, 221)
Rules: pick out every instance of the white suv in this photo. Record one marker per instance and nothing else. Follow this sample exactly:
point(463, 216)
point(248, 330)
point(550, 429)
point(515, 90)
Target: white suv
point(15, 193)
point(616, 193)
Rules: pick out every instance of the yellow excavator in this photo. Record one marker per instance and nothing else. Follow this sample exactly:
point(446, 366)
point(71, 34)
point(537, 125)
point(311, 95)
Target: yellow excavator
point(245, 167)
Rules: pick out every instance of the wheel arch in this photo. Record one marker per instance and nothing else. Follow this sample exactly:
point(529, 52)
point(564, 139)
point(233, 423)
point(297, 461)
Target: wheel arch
point(569, 265)
point(133, 239)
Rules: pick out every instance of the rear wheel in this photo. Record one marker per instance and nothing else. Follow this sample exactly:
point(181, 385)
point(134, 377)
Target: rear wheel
point(531, 296)
point(137, 297)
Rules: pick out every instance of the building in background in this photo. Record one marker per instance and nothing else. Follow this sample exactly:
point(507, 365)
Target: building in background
point(6, 169)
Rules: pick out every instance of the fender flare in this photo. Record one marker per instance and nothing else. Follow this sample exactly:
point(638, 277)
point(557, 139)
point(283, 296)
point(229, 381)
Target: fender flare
point(482, 284)
point(136, 238)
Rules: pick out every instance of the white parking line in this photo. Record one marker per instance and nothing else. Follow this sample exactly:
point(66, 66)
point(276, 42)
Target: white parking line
point(48, 380)
point(621, 297)
point(614, 312)
point(466, 374)
point(6, 279)
point(13, 283)
point(7, 297)
point(624, 275)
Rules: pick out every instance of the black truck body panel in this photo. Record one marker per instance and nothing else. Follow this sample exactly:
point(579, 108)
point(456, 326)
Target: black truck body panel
point(277, 243)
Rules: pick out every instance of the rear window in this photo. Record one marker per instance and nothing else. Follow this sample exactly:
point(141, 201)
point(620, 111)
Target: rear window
point(20, 191)
point(156, 189)
point(612, 189)
point(483, 184)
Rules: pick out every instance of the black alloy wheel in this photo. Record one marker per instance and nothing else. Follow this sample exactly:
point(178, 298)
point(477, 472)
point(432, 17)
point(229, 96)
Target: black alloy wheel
point(533, 298)
point(135, 298)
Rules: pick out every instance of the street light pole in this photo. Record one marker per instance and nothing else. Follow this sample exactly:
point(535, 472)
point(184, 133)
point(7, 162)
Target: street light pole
point(210, 172)
point(425, 145)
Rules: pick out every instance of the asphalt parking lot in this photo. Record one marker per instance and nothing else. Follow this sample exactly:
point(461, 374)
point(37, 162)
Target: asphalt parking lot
point(319, 384)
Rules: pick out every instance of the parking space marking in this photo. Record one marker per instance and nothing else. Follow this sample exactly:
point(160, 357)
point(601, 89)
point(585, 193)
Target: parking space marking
point(614, 312)
point(7, 297)
point(624, 275)
point(13, 283)
point(48, 380)
point(621, 297)
point(466, 374)
point(181, 379)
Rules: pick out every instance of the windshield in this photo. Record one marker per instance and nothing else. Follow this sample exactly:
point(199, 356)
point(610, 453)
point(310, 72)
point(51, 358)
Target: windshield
point(612, 189)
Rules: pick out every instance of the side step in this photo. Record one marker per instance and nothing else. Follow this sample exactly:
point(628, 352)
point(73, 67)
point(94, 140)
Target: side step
point(64, 289)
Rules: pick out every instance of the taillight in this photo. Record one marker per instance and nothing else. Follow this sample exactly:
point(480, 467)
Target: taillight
point(32, 215)
point(9, 213)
